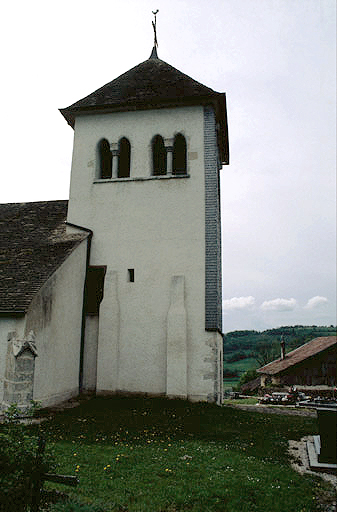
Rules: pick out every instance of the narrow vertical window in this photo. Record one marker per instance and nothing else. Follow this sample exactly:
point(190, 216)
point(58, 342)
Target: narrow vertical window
point(131, 272)
point(105, 159)
point(94, 289)
point(159, 162)
point(179, 165)
point(124, 150)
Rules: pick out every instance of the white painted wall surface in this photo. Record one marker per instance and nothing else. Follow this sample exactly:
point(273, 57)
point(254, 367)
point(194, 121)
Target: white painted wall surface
point(90, 354)
point(7, 325)
point(156, 227)
point(55, 317)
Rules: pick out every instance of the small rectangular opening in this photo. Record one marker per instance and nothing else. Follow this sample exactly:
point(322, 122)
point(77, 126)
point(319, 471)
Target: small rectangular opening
point(131, 272)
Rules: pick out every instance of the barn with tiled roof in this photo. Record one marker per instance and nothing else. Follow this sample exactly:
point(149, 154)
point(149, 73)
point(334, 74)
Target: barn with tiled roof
point(311, 364)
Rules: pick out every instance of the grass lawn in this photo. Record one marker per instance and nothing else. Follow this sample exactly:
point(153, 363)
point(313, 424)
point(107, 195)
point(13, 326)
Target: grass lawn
point(243, 401)
point(229, 384)
point(151, 455)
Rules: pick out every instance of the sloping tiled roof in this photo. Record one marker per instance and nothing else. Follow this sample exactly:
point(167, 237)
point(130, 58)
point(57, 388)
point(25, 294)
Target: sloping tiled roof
point(298, 355)
point(152, 84)
point(33, 244)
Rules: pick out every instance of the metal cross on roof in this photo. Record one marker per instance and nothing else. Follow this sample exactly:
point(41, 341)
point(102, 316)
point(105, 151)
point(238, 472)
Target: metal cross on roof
point(154, 24)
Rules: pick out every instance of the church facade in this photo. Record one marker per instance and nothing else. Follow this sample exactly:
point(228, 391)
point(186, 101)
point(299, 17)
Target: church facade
point(132, 301)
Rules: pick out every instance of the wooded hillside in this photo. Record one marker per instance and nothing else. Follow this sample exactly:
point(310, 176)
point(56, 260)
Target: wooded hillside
point(246, 350)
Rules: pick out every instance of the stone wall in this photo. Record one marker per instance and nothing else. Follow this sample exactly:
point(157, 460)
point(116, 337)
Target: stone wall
point(9, 327)
point(20, 367)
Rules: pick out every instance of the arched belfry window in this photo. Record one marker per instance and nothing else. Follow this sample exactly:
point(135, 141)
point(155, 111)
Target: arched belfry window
point(159, 162)
point(179, 165)
point(105, 159)
point(124, 157)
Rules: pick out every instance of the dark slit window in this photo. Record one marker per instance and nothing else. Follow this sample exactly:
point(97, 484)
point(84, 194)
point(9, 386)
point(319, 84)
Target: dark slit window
point(94, 289)
point(124, 150)
point(158, 156)
point(105, 159)
point(179, 155)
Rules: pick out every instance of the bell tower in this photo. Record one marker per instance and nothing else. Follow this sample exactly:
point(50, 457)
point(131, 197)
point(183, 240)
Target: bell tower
point(148, 149)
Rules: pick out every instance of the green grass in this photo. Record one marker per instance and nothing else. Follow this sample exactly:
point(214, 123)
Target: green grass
point(243, 401)
point(229, 384)
point(156, 455)
point(242, 366)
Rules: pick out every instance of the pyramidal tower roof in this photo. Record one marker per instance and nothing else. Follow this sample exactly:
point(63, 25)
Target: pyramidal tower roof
point(152, 84)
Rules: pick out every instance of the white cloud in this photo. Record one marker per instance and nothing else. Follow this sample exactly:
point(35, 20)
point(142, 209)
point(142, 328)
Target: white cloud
point(238, 303)
point(279, 305)
point(316, 302)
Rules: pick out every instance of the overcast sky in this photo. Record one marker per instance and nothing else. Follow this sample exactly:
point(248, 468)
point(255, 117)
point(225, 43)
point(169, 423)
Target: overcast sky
point(275, 59)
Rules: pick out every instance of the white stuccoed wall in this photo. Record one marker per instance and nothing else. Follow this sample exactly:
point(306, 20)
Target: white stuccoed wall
point(157, 228)
point(55, 317)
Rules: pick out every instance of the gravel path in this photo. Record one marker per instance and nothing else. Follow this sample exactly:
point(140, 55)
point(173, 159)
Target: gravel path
point(274, 409)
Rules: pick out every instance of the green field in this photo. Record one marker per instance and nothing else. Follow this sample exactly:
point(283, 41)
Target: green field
point(238, 366)
point(229, 384)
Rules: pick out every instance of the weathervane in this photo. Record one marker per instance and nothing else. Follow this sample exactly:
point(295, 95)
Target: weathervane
point(154, 24)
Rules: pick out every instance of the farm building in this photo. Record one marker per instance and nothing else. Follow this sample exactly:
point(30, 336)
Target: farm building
point(311, 364)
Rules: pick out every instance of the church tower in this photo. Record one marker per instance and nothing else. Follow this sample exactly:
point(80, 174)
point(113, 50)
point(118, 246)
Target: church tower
point(148, 148)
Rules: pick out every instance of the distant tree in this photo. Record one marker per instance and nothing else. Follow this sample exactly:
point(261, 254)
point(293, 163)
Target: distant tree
point(265, 346)
point(237, 356)
point(230, 374)
point(265, 354)
point(248, 376)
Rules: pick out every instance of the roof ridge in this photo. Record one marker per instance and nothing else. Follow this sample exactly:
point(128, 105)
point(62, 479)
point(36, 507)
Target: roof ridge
point(308, 342)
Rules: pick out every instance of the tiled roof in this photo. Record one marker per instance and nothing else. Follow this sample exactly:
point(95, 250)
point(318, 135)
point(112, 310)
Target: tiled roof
point(152, 84)
point(298, 355)
point(33, 244)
